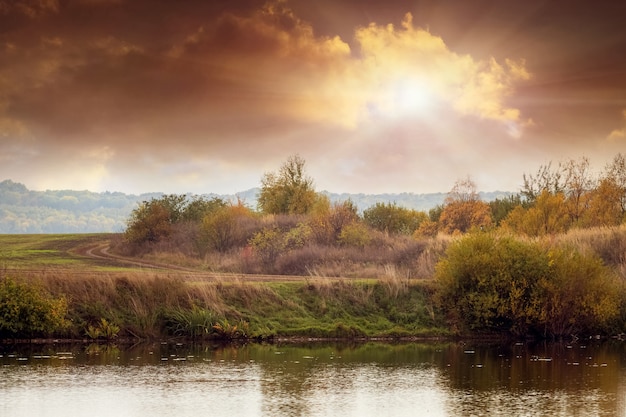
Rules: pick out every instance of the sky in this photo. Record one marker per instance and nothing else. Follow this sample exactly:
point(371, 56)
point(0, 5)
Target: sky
point(205, 96)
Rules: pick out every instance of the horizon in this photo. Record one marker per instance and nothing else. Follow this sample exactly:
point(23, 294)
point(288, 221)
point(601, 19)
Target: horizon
point(242, 191)
point(401, 97)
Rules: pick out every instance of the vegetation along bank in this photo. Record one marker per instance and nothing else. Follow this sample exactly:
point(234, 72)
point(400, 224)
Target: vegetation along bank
point(549, 262)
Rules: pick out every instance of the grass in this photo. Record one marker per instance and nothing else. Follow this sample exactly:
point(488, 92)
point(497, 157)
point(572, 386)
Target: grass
point(145, 306)
point(49, 251)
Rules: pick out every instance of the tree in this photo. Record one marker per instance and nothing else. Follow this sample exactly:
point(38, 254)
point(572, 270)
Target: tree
point(288, 191)
point(149, 222)
point(604, 205)
point(501, 207)
point(578, 183)
point(464, 210)
point(547, 216)
point(546, 178)
point(328, 220)
point(198, 207)
point(616, 173)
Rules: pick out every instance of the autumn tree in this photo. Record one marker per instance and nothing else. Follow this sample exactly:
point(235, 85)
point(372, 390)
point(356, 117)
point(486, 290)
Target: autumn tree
point(288, 191)
point(548, 215)
point(604, 206)
point(547, 178)
point(464, 210)
point(151, 220)
point(578, 184)
point(616, 173)
point(327, 219)
point(174, 217)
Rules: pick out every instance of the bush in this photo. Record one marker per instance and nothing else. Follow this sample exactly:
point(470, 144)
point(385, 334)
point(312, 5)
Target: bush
point(492, 283)
point(355, 234)
point(27, 311)
point(268, 245)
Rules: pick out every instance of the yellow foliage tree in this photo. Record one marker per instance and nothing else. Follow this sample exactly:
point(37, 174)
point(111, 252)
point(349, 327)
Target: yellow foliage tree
point(464, 210)
point(548, 215)
point(604, 206)
point(288, 191)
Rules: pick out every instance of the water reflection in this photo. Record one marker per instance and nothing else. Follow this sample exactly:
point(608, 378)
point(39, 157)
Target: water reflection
point(373, 379)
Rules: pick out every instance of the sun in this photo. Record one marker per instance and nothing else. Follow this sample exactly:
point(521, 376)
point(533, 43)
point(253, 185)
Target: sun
point(413, 96)
point(406, 97)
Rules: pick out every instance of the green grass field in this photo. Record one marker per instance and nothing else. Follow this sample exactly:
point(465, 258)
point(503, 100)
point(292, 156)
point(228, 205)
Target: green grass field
point(45, 251)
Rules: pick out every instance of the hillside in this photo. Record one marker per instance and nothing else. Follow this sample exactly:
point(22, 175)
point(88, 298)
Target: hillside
point(69, 211)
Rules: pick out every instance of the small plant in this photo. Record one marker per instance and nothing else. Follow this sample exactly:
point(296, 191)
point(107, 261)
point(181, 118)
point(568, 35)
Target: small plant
point(195, 323)
point(103, 330)
point(93, 332)
point(225, 330)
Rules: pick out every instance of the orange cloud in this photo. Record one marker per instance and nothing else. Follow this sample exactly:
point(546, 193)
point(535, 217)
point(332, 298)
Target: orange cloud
point(187, 99)
point(422, 63)
point(618, 134)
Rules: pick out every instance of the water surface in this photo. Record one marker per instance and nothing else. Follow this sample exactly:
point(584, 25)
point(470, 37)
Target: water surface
point(373, 379)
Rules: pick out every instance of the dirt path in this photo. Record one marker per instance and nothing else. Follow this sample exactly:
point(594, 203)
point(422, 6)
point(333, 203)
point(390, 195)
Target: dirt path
point(101, 253)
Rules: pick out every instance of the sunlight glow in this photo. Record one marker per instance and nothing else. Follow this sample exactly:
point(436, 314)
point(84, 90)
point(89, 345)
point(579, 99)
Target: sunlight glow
point(405, 97)
point(412, 97)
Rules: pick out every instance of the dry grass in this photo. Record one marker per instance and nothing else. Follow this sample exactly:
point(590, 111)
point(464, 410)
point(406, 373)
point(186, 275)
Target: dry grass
point(609, 243)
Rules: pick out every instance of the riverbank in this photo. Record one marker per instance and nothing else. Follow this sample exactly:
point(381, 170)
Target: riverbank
point(151, 307)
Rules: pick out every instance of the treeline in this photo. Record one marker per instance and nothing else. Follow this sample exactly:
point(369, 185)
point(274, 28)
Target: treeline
point(296, 230)
point(63, 211)
point(67, 211)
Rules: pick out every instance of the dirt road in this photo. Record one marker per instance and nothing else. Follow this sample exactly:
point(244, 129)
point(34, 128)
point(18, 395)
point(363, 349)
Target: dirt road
point(101, 253)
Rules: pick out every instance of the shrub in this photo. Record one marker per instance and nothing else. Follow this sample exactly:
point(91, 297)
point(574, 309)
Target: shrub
point(391, 218)
point(267, 245)
point(493, 282)
point(222, 229)
point(355, 234)
point(297, 236)
point(579, 295)
point(300, 261)
point(27, 310)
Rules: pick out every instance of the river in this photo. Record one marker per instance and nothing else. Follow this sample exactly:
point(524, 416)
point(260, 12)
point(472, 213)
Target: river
point(371, 379)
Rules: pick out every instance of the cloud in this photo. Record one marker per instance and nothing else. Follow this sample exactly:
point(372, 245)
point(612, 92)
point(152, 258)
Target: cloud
point(208, 95)
point(415, 60)
point(30, 8)
point(618, 134)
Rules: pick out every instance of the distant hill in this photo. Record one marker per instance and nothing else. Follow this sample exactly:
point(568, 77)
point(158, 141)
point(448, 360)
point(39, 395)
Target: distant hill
point(67, 211)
